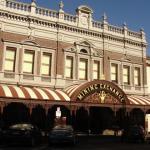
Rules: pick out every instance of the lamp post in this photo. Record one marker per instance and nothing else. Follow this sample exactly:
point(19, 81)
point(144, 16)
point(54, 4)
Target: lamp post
point(58, 116)
point(58, 112)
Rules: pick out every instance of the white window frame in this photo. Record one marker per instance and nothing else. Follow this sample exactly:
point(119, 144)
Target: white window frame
point(129, 74)
point(36, 50)
point(118, 70)
point(74, 67)
point(71, 68)
point(87, 68)
point(17, 46)
point(49, 65)
point(33, 61)
point(13, 61)
point(52, 53)
point(141, 77)
point(116, 73)
point(98, 71)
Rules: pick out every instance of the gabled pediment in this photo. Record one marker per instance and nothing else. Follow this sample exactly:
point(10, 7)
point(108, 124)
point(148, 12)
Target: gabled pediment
point(84, 8)
point(97, 53)
point(70, 49)
point(126, 58)
point(30, 41)
point(84, 43)
point(85, 48)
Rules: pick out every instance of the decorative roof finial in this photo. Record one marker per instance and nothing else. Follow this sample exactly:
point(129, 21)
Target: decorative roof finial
point(33, 3)
point(142, 29)
point(104, 17)
point(124, 24)
point(61, 5)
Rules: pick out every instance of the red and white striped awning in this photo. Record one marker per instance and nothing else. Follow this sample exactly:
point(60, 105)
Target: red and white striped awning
point(22, 92)
point(32, 93)
point(71, 89)
point(139, 100)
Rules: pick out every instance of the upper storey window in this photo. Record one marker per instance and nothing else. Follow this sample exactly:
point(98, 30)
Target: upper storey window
point(137, 76)
point(83, 65)
point(69, 67)
point(46, 64)
point(126, 75)
point(28, 63)
point(114, 73)
point(10, 56)
point(96, 70)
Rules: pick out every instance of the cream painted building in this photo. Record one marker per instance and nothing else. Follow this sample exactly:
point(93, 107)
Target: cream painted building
point(52, 58)
point(42, 47)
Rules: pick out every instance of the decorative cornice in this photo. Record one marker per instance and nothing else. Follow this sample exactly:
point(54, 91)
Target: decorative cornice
point(27, 9)
point(62, 26)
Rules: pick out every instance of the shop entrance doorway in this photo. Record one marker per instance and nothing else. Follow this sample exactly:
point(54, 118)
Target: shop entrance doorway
point(101, 118)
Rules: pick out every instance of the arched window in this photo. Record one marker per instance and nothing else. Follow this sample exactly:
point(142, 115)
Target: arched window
point(83, 51)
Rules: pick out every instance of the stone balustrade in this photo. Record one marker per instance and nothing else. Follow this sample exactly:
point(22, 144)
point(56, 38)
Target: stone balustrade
point(46, 12)
point(18, 5)
point(67, 17)
point(134, 34)
point(115, 29)
point(97, 24)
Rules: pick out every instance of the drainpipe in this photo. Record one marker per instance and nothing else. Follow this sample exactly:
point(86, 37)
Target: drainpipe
point(105, 28)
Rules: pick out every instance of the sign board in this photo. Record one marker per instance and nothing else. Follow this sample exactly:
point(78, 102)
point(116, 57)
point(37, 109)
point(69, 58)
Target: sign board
point(101, 87)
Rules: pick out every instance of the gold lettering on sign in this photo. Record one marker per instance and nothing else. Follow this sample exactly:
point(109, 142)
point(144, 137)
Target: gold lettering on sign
point(80, 96)
point(100, 88)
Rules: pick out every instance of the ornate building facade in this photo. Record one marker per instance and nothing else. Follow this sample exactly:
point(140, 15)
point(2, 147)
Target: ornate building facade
point(148, 73)
point(50, 58)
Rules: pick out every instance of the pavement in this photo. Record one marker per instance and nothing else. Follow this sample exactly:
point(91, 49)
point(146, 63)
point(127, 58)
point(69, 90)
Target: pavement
point(88, 143)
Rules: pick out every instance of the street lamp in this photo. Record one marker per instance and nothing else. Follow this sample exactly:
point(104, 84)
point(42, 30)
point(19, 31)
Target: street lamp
point(58, 112)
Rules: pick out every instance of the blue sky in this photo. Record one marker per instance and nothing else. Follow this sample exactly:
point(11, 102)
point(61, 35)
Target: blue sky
point(136, 13)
